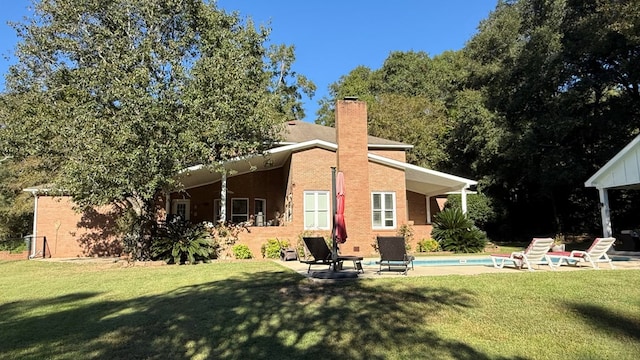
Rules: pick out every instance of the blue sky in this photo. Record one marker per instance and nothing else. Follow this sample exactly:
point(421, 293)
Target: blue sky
point(332, 37)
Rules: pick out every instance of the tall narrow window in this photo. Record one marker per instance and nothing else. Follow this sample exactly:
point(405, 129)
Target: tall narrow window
point(383, 210)
point(181, 208)
point(316, 210)
point(217, 209)
point(239, 210)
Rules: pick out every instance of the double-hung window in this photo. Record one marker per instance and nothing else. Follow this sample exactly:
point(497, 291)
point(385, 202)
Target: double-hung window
point(239, 210)
point(383, 210)
point(316, 210)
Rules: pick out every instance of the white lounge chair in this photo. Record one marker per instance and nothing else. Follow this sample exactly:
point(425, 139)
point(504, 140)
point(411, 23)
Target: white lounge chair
point(596, 253)
point(536, 253)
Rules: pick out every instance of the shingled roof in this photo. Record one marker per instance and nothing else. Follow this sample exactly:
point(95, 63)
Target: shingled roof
point(298, 131)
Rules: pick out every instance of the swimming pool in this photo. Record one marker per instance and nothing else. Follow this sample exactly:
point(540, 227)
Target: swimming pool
point(477, 261)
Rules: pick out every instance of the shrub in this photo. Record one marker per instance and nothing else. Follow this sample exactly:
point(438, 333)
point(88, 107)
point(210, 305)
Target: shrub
point(241, 251)
point(455, 232)
point(480, 208)
point(224, 236)
point(15, 245)
point(428, 245)
point(180, 242)
point(271, 250)
point(406, 231)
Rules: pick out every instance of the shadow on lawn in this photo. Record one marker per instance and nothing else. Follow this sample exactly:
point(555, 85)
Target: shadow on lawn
point(250, 316)
point(605, 320)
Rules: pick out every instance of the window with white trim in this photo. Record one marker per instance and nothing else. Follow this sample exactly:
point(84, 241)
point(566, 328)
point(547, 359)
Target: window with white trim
point(383, 210)
point(239, 210)
point(181, 208)
point(316, 210)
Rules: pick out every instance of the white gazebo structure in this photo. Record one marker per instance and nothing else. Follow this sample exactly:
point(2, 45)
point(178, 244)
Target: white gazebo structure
point(621, 172)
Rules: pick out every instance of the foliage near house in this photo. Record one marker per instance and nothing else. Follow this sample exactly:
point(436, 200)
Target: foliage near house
point(242, 251)
point(480, 208)
point(455, 232)
point(427, 245)
point(16, 206)
point(271, 249)
point(180, 242)
point(116, 97)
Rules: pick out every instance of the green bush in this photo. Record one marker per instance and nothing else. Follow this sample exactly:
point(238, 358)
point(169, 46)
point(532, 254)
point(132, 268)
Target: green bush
point(180, 242)
point(428, 245)
point(271, 250)
point(241, 251)
point(15, 245)
point(480, 208)
point(455, 232)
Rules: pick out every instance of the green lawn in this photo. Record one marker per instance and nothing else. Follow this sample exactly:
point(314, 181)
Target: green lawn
point(260, 310)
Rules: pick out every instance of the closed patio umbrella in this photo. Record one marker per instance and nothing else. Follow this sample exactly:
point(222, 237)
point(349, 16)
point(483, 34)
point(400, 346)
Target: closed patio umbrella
point(340, 232)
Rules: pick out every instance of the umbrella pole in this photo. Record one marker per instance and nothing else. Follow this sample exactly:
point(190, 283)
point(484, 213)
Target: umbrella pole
point(334, 252)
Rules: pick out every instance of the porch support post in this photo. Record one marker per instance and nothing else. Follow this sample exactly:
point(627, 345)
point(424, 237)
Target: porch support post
point(223, 197)
point(605, 213)
point(463, 193)
point(167, 204)
point(428, 210)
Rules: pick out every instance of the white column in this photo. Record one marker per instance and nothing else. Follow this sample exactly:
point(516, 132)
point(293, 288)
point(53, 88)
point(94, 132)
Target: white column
point(167, 204)
point(429, 210)
point(223, 197)
point(605, 212)
point(463, 193)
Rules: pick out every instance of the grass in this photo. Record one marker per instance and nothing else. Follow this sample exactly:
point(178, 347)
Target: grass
point(260, 310)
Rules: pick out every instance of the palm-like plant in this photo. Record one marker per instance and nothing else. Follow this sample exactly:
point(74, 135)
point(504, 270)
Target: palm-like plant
point(455, 232)
point(180, 242)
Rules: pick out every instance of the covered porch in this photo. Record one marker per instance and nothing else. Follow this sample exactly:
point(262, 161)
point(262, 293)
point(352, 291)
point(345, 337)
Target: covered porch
point(620, 172)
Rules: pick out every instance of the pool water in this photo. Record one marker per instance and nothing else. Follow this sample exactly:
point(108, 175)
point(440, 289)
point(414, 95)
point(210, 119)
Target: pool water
point(480, 261)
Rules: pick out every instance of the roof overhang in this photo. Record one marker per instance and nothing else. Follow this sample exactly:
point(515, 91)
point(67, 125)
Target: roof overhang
point(426, 181)
point(621, 172)
point(418, 179)
point(201, 175)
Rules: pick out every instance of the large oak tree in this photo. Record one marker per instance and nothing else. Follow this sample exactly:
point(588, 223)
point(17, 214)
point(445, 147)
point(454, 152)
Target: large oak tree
point(117, 96)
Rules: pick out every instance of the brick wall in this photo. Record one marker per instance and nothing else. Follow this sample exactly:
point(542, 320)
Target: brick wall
point(310, 171)
point(6, 255)
point(268, 185)
point(73, 234)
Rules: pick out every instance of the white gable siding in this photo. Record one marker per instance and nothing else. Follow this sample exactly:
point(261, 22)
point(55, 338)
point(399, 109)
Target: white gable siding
point(623, 170)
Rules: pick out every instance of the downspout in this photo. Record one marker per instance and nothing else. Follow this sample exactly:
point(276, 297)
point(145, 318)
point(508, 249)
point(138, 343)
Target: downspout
point(35, 222)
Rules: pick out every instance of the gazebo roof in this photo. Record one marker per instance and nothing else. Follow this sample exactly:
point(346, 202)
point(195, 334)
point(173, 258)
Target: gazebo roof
point(622, 171)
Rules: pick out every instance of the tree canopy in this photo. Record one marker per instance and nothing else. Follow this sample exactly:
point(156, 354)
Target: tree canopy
point(116, 97)
point(538, 100)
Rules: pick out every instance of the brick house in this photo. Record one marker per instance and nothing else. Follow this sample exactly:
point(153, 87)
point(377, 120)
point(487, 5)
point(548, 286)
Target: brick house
point(287, 192)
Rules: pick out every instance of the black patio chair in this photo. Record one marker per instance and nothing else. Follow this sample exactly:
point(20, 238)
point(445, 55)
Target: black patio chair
point(319, 251)
point(393, 254)
point(322, 255)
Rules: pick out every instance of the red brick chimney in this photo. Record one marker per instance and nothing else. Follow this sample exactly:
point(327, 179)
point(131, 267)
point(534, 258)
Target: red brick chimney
point(352, 136)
